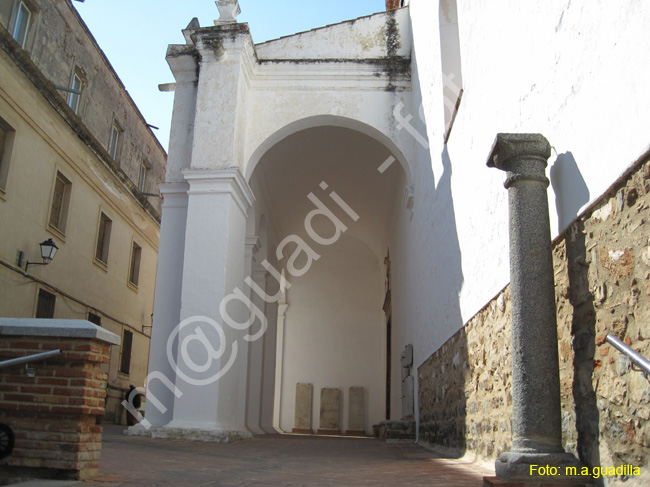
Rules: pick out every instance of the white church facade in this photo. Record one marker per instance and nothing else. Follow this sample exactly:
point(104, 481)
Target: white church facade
point(327, 201)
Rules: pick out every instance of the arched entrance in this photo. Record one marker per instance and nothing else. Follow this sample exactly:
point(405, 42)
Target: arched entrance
point(277, 164)
point(326, 197)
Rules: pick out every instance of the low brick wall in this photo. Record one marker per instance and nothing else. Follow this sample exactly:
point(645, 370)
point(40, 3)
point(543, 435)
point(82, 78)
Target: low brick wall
point(55, 413)
point(602, 274)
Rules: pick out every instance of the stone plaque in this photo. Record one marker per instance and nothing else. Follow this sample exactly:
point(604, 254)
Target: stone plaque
point(408, 390)
point(302, 421)
point(330, 406)
point(356, 412)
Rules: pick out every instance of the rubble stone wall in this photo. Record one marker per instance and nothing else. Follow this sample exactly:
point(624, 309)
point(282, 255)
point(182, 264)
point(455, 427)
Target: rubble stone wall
point(602, 276)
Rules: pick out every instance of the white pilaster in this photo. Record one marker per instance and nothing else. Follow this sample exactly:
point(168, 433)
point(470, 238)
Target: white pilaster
point(255, 359)
point(167, 302)
point(279, 362)
point(226, 54)
point(182, 61)
point(211, 356)
point(268, 364)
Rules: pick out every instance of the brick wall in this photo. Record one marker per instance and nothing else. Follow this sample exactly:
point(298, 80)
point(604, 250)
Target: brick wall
point(602, 275)
point(54, 414)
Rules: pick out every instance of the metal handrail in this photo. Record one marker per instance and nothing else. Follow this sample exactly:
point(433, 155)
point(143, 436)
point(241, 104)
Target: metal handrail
point(636, 359)
point(29, 358)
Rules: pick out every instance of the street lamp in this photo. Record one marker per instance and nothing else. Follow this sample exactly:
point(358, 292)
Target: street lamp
point(48, 251)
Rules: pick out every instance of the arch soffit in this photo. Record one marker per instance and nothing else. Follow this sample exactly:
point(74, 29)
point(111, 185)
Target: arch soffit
point(327, 120)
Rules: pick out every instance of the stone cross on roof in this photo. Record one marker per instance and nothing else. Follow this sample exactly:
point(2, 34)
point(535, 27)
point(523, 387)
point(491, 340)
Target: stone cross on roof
point(228, 10)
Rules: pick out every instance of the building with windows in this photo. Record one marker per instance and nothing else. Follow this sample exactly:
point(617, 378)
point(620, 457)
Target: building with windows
point(80, 166)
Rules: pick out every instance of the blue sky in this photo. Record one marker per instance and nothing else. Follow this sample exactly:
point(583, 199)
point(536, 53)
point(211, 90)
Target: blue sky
point(134, 35)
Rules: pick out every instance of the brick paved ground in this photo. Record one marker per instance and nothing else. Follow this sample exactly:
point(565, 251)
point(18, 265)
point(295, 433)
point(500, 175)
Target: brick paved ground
point(275, 461)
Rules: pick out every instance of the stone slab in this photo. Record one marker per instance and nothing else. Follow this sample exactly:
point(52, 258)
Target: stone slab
point(495, 482)
point(406, 359)
point(408, 397)
point(56, 328)
point(330, 408)
point(356, 408)
point(302, 420)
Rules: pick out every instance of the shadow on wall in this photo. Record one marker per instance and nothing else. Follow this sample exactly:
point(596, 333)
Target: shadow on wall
point(571, 192)
point(583, 331)
point(442, 402)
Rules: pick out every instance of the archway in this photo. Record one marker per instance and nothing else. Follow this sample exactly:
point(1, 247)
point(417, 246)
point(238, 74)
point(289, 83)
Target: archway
point(328, 195)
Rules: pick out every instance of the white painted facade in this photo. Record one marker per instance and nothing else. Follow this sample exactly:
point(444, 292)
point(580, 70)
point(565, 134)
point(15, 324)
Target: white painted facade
point(257, 128)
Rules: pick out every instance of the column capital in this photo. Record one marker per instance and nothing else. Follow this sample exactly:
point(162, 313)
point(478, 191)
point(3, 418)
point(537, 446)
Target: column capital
point(523, 156)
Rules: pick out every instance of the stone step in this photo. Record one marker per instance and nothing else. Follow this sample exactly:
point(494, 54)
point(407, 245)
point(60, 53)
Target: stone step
point(403, 430)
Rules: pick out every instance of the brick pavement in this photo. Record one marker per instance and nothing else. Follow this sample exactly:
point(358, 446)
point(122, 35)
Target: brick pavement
point(276, 461)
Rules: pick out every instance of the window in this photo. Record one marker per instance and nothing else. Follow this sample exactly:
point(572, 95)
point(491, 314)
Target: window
point(21, 21)
point(60, 202)
point(96, 319)
point(127, 344)
point(76, 86)
point(45, 305)
point(134, 271)
point(115, 141)
point(142, 181)
point(103, 238)
point(6, 144)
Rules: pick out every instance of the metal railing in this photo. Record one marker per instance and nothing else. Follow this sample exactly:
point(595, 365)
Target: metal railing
point(636, 359)
point(29, 358)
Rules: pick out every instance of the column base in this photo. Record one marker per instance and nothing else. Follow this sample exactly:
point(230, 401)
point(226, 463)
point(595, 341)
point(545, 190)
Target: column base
point(540, 468)
point(495, 482)
point(213, 436)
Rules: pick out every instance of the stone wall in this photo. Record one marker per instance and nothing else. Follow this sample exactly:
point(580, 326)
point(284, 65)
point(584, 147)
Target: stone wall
point(602, 267)
point(53, 410)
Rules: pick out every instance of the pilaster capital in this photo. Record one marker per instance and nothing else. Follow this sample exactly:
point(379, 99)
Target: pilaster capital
point(174, 194)
point(212, 43)
point(253, 245)
point(220, 181)
point(523, 156)
point(183, 62)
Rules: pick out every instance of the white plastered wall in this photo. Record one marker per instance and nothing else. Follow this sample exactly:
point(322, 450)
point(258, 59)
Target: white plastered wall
point(334, 332)
point(571, 70)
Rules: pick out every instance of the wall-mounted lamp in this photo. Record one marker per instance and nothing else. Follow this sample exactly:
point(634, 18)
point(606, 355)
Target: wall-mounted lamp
point(48, 251)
